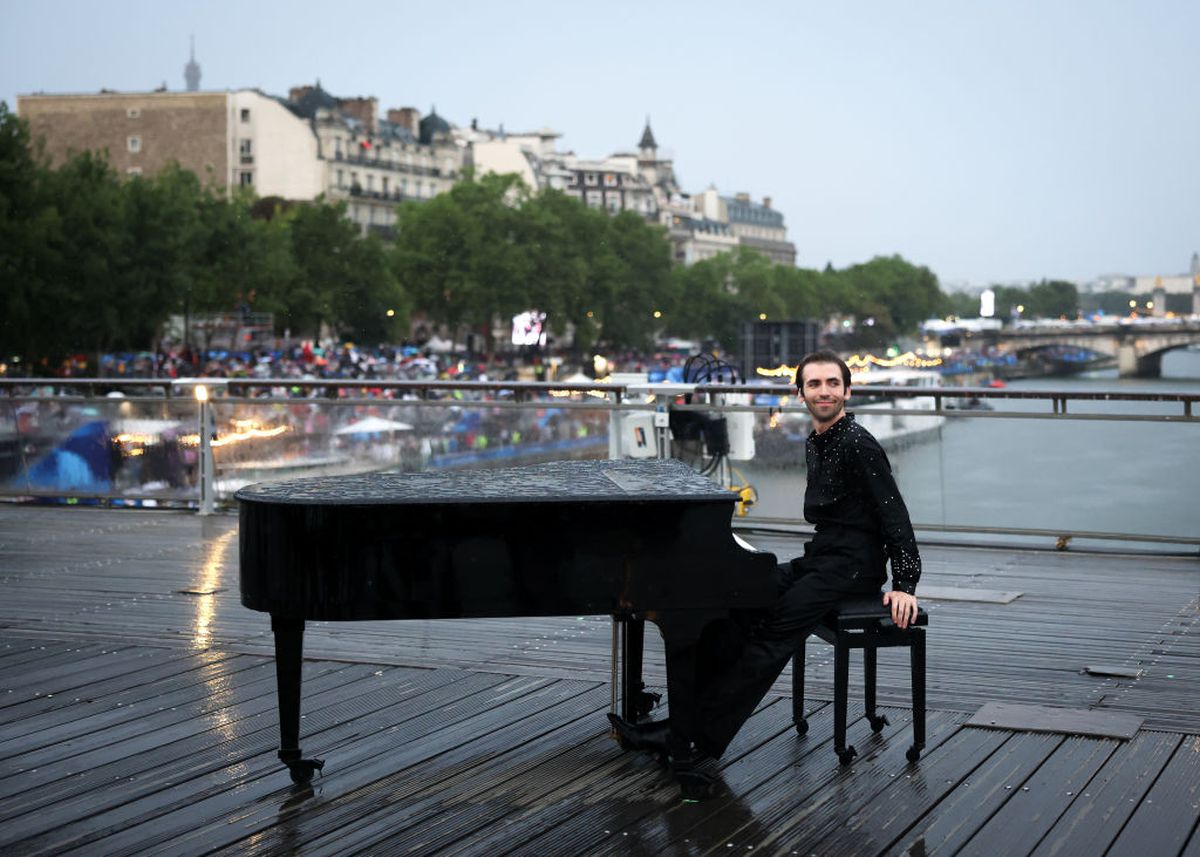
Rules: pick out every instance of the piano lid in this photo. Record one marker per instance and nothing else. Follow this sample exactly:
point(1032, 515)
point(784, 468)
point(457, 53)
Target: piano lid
point(556, 481)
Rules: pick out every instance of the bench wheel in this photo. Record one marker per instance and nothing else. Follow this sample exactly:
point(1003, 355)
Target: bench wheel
point(645, 701)
point(847, 755)
point(801, 727)
point(914, 753)
point(878, 721)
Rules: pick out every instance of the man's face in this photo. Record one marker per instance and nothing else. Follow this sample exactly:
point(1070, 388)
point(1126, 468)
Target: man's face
point(824, 393)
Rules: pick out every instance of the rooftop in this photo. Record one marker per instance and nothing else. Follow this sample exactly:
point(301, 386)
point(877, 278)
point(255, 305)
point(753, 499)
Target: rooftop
point(138, 716)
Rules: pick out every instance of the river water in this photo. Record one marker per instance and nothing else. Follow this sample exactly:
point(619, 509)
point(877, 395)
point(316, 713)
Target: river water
point(1100, 476)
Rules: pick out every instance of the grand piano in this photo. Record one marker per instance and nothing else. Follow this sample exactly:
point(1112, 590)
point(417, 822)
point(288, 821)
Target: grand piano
point(640, 540)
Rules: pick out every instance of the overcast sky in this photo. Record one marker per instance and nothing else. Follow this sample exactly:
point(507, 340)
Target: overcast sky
point(992, 140)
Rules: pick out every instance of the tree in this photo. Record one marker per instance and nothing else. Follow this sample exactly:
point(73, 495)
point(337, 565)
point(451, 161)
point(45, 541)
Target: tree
point(83, 291)
point(27, 225)
point(161, 236)
point(460, 255)
point(322, 247)
point(1054, 299)
point(638, 285)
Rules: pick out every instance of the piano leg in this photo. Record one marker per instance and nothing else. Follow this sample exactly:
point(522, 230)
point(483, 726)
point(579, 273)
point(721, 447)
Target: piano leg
point(289, 655)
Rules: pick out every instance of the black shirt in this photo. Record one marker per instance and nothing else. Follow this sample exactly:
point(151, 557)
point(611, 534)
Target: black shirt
point(856, 507)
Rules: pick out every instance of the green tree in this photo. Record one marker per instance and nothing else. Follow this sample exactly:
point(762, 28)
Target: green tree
point(460, 254)
point(323, 248)
point(1054, 299)
point(571, 266)
point(83, 304)
point(638, 286)
point(28, 223)
point(161, 236)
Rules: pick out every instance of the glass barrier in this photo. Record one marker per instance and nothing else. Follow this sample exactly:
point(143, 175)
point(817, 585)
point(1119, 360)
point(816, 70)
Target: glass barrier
point(141, 449)
point(1007, 464)
point(1119, 465)
point(259, 440)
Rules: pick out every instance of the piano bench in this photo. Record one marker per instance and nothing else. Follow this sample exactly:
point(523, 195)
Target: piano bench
point(864, 623)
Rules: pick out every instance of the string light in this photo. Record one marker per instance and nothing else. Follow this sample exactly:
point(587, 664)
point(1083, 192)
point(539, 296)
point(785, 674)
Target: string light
point(909, 359)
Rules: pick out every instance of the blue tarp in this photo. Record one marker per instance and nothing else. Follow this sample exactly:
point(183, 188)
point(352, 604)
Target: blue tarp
point(79, 463)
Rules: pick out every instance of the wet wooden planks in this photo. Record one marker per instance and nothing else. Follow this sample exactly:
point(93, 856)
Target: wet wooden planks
point(448, 761)
point(136, 719)
point(104, 575)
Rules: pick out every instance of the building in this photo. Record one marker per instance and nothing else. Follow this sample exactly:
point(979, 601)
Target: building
point(760, 227)
point(298, 148)
point(228, 139)
point(699, 226)
point(372, 163)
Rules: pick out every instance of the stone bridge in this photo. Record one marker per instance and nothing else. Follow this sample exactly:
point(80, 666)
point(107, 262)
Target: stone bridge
point(1137, 347)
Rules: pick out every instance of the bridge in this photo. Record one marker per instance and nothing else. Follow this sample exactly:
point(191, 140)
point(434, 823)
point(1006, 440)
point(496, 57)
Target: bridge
point(1136, 345)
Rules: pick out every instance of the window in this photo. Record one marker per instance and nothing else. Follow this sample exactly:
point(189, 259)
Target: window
point(341, 178)
point(245, 114)
point(246, 178)
point(610, 180)
point(246, 151)
point(134, 144)
point(403, 187)
point(614, 202)
point(385, 183)
point(133, 113)
point(590, 179)
point(370, 182)
point(595, 198)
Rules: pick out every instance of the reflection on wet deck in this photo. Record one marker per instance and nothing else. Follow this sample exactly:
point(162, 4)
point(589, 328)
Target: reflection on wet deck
point(137, 715)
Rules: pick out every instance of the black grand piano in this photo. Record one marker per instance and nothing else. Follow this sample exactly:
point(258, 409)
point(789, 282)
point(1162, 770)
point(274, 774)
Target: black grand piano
point(640, 540)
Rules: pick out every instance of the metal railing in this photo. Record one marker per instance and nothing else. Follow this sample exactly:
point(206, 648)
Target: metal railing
point(155, 450)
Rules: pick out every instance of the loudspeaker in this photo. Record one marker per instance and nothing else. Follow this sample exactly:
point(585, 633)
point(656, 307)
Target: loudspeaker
point(771, 344)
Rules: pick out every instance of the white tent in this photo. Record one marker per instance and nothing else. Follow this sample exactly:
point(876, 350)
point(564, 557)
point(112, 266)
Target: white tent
point(373, 425)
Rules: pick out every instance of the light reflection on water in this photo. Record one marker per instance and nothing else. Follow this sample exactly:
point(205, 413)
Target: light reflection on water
point(216, 679)
point(208, 584)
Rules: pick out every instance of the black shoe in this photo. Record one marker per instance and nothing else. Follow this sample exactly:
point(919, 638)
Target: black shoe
point(653, 737)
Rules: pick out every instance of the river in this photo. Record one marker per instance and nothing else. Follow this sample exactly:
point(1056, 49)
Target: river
point(1101, 476)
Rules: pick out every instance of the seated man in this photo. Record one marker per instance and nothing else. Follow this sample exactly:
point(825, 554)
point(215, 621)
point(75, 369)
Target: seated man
point(861, 522)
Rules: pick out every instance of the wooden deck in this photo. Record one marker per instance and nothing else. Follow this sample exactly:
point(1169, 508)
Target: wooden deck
point(137, 715)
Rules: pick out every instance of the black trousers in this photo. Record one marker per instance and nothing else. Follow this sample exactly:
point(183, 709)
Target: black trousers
point(729, 691)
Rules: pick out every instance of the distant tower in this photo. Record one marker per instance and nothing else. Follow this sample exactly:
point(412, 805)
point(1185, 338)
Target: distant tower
point(648, 147)
point(191, 71)
point(1195, 264)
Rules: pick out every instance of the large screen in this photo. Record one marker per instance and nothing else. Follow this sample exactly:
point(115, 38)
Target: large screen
point(529, 328)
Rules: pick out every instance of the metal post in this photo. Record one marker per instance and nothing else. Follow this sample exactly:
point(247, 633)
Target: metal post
point(207, 491)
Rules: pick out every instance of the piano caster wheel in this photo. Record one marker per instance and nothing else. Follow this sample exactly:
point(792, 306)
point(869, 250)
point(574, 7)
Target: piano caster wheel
point(878, 722)
point(694, 785)
point(914, 753)
point(301, 770)
point(847, 755)
point(801, 727)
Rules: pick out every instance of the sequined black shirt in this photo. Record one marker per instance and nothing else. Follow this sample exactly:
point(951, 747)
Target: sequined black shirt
point(853, 501)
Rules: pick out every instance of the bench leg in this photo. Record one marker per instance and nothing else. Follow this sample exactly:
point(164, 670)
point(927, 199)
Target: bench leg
point(841, 683)
point(636, 701)
point(917, 659)
point(870, 663)
point(798, 658)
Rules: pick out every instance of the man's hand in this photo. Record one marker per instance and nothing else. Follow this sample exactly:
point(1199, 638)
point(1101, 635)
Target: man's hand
point(904, 607)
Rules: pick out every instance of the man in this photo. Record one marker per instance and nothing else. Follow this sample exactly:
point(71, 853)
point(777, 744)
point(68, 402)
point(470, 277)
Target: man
point(861, 522)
